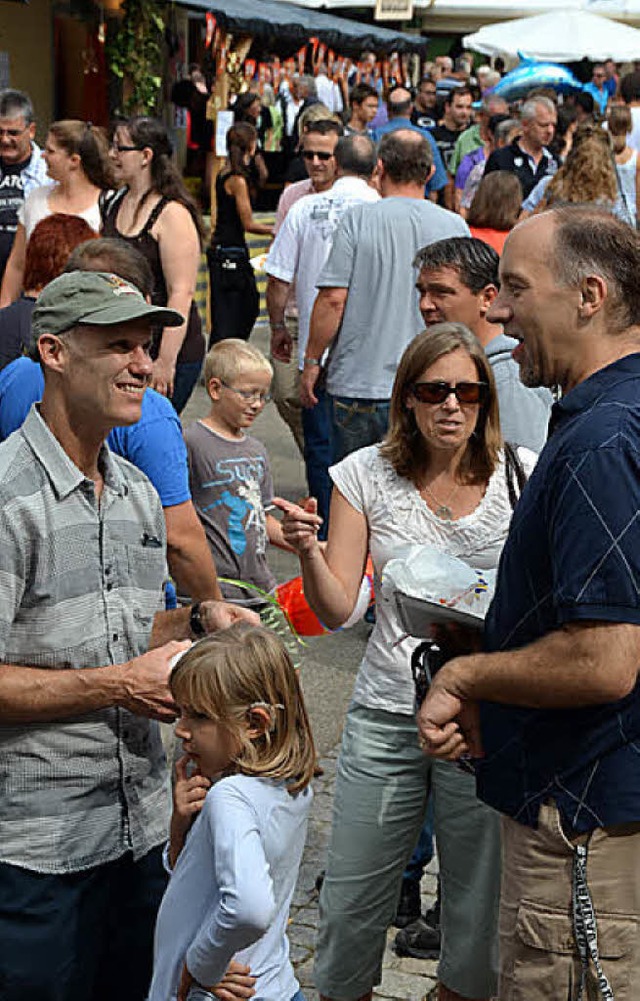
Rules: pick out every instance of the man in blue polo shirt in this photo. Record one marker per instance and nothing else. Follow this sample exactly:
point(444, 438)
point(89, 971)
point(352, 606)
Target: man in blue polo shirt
point(399, 107)
point(557, 728)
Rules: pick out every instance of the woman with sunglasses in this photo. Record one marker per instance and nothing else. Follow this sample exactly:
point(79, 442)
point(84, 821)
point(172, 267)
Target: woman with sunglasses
point(438, 478)
point(77, 158)
point(154, 213)
point(235, 302)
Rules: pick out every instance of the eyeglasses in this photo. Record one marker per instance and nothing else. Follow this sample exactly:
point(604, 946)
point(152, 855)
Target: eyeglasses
point(126, 149)
point(310, 154)
point(437, 392)
point(250, 395)
point(13, 133)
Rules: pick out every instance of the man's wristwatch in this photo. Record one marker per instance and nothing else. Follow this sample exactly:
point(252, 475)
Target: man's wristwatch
point(311, 362)
point(195, 620)
point(279, 326)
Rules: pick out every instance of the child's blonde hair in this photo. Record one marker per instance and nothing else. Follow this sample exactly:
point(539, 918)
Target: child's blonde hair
point(225, 675)
point(230, 358)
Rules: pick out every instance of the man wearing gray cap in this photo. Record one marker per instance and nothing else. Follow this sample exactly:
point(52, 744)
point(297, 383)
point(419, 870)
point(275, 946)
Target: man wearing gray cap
point(83, 782)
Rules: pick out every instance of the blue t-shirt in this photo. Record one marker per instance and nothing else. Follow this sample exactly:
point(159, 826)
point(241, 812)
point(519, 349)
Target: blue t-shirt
point(439, 179)
point(154, 444)
point(572, 555)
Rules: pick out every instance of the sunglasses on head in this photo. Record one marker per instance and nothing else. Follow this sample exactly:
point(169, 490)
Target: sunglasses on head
point(437, 392)
point(310, 154)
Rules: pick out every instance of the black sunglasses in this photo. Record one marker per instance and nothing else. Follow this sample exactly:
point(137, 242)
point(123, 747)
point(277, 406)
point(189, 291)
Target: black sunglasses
point(437, 392)
point(309, 154)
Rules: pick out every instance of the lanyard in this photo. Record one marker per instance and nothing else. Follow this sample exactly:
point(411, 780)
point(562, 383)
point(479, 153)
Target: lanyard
point(584, 925)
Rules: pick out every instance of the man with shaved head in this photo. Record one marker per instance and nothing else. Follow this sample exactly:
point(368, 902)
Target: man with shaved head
point(399, 109)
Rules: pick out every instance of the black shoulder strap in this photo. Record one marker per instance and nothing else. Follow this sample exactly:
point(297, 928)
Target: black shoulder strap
point(515, 473)
point(153, 215)
point(108, 201)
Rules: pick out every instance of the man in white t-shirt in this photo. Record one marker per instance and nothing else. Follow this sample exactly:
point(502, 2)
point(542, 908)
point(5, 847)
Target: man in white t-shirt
point(299, 253)
point(318, 144)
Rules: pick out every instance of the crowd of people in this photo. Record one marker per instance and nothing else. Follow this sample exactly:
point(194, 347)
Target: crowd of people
point(453, 290)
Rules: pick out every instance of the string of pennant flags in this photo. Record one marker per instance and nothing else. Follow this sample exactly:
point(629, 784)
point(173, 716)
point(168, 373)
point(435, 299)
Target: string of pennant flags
point(277, 70)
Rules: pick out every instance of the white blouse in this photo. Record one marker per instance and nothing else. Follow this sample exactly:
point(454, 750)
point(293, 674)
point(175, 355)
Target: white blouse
point(397, 515)
point(36, 207)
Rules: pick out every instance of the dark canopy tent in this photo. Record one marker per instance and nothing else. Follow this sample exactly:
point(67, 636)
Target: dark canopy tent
point(270, 19)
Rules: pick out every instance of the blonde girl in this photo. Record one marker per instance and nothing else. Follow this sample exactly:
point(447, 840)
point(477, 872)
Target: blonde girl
point(241, 803)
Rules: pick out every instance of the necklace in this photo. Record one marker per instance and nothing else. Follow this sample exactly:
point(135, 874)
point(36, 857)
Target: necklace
point(443, 510)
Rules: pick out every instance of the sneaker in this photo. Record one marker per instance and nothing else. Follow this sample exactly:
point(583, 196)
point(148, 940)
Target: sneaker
point(409, 904)
point(432, 914)
point(418, 940)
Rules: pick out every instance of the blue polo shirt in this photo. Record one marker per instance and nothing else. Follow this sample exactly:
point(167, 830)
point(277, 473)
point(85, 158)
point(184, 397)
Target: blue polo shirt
point(154, 444)
point(573, 554)
point(439, 179)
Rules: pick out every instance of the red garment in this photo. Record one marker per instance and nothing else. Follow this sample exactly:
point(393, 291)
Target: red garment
point(494, 237)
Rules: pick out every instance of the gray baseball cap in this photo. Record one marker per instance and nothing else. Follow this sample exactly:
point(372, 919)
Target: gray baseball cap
point(97, 298)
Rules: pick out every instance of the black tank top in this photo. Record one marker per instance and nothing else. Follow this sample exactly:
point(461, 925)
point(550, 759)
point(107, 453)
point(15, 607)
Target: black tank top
point(229, 231)
point(193, 346)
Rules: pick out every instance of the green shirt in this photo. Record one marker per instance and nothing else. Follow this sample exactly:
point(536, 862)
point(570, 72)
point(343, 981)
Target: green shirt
point(467, 142)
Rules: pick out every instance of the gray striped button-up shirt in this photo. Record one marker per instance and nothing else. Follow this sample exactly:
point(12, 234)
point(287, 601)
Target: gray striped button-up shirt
point(80, 583)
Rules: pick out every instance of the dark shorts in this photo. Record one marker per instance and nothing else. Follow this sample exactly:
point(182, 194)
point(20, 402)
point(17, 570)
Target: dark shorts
point(85, 936)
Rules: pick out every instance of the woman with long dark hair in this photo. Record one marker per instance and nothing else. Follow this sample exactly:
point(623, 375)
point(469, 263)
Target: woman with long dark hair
point(154, 212)
point(76, 154)
point(235, 302)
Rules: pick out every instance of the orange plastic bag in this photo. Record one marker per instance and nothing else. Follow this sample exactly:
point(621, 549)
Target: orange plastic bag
point(304, 620)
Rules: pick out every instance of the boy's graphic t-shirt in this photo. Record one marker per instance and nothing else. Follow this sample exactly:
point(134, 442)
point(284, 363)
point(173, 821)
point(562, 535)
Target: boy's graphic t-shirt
point(231, 484)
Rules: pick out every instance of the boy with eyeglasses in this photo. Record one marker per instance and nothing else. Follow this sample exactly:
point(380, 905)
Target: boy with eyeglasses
point(230, 474)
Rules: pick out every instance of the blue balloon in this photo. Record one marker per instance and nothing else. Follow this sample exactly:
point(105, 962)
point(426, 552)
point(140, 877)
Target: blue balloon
point(531, 74)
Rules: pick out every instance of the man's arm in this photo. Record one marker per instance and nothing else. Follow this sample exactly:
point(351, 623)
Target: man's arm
point(188, 554)
point(326, 318)
point(580, 664)
point(32, 695)
point(277, 295)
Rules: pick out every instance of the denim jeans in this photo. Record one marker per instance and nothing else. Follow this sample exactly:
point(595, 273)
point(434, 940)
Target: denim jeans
point(357, 423)
point(187, 374)
point(318, 455)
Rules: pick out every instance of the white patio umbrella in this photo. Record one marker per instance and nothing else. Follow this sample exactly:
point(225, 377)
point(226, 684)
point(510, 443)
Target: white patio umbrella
point(558, 37)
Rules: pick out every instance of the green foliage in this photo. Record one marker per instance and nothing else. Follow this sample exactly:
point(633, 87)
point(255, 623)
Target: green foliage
point(134, 54)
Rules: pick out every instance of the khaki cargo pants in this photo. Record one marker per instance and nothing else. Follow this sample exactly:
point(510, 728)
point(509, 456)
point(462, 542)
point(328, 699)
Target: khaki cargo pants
point(539, 960)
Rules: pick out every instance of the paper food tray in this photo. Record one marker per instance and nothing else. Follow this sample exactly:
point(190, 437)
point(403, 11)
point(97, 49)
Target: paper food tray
point(418, 614)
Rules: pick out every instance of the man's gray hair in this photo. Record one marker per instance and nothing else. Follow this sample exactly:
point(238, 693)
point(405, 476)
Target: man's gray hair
point(528, 110)
point(16, 104)
point(504, 129)
point(590, 241)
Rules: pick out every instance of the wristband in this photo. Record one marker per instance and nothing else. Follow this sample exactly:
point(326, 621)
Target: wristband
point(195, 620)
point(311, 362)
point(279, 326)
